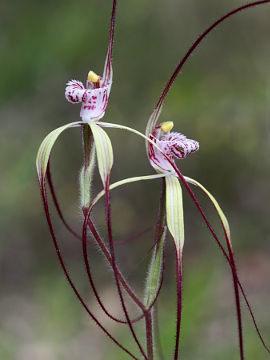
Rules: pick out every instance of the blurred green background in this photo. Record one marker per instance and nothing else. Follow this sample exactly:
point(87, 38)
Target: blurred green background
point(221, 99)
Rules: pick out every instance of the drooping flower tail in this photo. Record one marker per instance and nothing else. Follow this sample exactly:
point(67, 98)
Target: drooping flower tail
point(158, 108)
point(58, 252)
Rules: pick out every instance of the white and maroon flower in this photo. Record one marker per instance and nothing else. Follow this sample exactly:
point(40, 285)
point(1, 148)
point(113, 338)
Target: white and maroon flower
point(173, 144)
point(94, 97)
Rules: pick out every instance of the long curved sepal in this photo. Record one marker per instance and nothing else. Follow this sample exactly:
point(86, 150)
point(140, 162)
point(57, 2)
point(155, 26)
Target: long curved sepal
point(226, 229)
point(46, 146)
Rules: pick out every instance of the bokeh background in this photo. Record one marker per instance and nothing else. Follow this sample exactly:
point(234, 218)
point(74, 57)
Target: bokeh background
point(221, 99)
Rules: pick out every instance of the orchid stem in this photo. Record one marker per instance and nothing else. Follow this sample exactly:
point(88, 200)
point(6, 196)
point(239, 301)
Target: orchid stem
point(87, 142)
point(111, 245)
point(179, 302)
point(230, 259)
point(97, 238)
point(87, 150)
point(56, 204)
point(92, 283)
point(60, 258)
point(237, 297)
point(107, 255)
point(86, 139)
point(149, 334)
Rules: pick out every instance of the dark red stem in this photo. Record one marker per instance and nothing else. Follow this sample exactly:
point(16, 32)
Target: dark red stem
point(179, 302)
point(231, 261)
point(112, 27)
point(133, 237)
point(149, 335)
point(111, 246)
point(56, 203)
point(237, 298)
point(92, 283)
point(111, 40)
point(160, 102)
point(158, 235)
point(124, 283)
point(48, 217)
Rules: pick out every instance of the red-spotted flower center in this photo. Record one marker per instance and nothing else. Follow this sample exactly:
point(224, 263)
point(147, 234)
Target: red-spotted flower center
point(173, 144)
point(94, 97)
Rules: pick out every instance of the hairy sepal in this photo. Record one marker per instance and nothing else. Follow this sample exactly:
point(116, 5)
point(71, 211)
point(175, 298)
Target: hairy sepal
point(46, 146)
point(155, 272)
point(104, 151)
point(174, 211)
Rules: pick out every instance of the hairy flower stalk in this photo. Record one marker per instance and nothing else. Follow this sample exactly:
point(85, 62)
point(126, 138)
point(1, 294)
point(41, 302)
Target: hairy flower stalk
point(109, 227)
point(172, 145)
point(105, 252)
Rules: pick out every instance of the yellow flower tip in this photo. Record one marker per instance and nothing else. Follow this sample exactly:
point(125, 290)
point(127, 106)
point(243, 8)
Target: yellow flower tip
point(167, 126)
point(93, 77)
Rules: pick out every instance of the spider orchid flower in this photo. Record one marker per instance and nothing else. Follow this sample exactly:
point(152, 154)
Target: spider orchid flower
point(96, 143)
point(94, 97)
point(172, 144)
point(162, 146)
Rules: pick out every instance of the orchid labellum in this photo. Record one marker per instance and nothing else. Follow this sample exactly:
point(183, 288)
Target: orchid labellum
point(163, 147)
point(94, 97)
point(172, 144)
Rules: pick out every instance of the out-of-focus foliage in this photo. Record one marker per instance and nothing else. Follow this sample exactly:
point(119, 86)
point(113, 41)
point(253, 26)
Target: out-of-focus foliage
point(221, 99)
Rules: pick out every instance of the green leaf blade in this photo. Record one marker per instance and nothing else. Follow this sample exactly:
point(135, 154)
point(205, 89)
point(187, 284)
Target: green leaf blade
point(46, 146)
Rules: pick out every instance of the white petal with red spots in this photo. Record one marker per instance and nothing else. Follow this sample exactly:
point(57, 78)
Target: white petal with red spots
point(173, 145)
point(94, 100)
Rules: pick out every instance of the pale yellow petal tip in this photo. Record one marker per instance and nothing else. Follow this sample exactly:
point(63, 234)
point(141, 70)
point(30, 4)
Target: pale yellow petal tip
point(167, 126)
point(93, 77)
